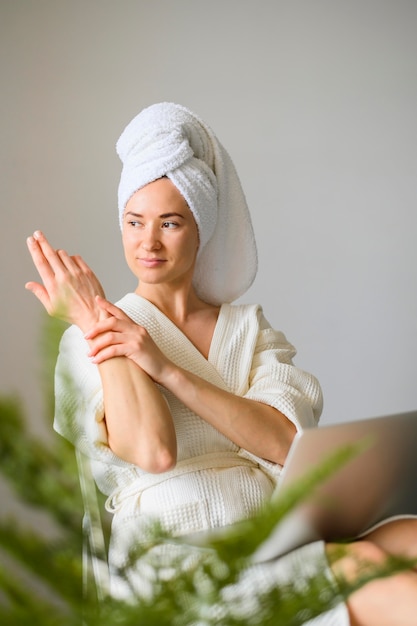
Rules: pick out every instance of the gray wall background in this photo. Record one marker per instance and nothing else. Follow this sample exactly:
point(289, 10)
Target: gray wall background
point(316, 102)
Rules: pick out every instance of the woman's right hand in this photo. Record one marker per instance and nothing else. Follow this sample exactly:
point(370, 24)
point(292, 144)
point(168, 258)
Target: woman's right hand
point(118, 335)
point(68, 287)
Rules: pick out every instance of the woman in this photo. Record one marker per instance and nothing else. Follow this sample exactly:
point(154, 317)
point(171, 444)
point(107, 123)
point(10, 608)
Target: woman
point(186, 404)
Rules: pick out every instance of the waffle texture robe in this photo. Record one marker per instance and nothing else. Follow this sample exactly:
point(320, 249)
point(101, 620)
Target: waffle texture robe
point(214, 483)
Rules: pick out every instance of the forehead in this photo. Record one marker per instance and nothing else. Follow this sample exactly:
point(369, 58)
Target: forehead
point(161, 192)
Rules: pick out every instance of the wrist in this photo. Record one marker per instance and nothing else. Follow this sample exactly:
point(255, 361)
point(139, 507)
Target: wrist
point(88, 320)
point(170, 377)
point(86, 324)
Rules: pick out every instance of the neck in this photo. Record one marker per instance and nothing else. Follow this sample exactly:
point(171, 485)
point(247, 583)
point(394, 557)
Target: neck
point(176, 304)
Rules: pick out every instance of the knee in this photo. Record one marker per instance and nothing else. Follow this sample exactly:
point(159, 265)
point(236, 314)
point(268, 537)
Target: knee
point(397, 537)
point(365, 551)
point(353, 560)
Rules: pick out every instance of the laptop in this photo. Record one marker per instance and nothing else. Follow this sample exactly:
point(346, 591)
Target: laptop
point(378, 482)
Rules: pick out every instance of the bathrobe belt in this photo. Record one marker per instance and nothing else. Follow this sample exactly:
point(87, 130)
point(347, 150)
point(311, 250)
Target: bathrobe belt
point(213, 460)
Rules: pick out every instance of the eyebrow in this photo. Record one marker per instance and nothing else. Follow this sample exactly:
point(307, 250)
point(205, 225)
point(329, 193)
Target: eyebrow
point(162, 216)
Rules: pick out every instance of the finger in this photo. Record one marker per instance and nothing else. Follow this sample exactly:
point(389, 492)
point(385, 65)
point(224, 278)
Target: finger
point(48, 251)
point(41, 263)
point(79, 261)
point(75, 264)
point(40, 292)
point(103, 326)
point(79, 267)
point(110, 352)
point(89, 272)
point(113, 343)
point(100, 343)
point(67, 261)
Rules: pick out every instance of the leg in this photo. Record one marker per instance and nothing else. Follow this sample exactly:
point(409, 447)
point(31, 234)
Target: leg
point(383, 601)
point(398, 537)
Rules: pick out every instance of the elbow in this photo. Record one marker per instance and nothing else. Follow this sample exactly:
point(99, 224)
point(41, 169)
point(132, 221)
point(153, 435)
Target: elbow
point(288, 440)
point(155, 461)
point(164, 461)
point(283, 444)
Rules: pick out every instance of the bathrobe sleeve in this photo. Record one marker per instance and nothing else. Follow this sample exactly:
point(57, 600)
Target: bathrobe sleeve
point(275, 380)
point(79, 405)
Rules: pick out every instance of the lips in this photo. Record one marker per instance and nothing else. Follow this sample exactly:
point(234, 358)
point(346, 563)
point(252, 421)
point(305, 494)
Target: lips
point(151, 262)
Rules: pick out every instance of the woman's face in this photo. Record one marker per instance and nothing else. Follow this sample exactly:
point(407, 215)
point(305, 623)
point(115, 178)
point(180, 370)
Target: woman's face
point(160, 236)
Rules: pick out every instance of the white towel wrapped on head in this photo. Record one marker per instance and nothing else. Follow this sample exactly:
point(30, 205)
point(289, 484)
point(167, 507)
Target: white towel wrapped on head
point(167, 139)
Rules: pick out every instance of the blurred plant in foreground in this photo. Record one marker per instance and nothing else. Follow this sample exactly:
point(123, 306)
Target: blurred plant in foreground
point(41, 577)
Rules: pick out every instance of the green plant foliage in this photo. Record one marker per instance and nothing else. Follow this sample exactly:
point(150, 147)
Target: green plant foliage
point(42, 582)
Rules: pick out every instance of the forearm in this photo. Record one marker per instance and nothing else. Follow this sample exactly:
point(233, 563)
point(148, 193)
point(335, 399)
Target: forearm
point(257, 427)
point(139, 423)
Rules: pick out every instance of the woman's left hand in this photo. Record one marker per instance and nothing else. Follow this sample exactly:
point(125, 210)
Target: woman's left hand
point(119, 335)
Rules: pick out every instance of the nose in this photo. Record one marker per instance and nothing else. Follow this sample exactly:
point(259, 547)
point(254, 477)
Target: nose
point(150, 239)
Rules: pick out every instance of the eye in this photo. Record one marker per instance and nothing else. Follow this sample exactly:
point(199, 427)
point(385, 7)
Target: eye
point(134, 223)
point(170, 224)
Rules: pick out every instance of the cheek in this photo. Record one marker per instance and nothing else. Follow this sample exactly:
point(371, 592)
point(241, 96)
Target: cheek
point(128, 246)
point(190, 244)
point(192, 249)
point(128, 238)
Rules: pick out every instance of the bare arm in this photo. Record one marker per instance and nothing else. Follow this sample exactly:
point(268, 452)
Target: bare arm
point(138, 419)
point(257, 427)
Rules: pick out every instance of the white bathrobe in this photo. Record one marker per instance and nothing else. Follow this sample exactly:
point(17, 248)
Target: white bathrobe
point(214, 483)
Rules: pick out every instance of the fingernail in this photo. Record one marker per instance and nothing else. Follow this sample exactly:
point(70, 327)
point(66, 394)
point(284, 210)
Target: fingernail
point(37, 234)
